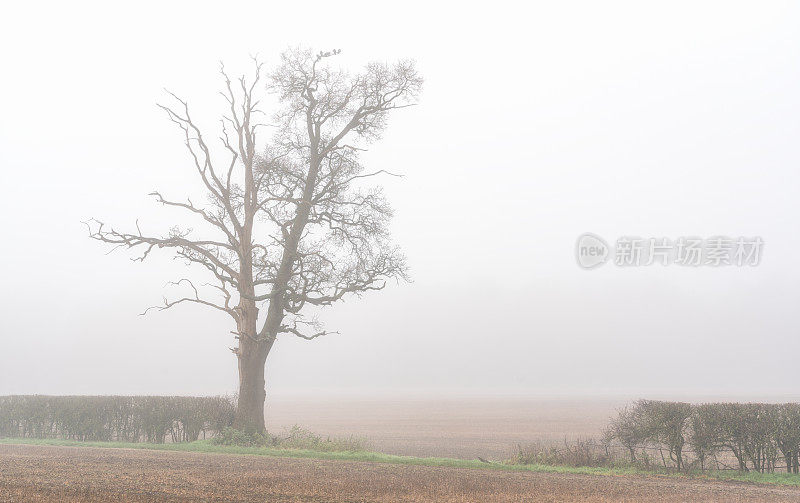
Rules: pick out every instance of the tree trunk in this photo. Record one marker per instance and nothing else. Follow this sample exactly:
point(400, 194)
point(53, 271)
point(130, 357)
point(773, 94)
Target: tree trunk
point(252, 388)
point(252, 355)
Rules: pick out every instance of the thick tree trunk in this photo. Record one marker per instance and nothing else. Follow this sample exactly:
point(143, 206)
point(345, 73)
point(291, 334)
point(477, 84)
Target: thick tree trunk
point(252, 354)
point(252, 388)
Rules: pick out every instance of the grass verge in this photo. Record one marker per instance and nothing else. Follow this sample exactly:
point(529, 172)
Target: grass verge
point(205, 446)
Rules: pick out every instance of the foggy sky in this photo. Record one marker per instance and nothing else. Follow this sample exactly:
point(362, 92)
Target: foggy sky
point(535, 126)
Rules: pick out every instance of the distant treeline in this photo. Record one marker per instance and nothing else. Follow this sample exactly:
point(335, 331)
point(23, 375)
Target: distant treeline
point(754, 436)
point(155, 419)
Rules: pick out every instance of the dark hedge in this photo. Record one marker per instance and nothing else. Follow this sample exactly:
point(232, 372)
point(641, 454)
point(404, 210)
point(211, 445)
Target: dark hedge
point(761, 437)
point(154, 419)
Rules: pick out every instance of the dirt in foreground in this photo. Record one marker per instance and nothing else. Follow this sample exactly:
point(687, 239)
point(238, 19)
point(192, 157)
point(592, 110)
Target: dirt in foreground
point(71, 474)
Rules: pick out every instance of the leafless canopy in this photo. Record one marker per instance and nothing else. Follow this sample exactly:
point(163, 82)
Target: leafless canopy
point(292, 221)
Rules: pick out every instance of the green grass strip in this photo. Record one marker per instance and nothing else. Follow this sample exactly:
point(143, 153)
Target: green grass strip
point(205, 446)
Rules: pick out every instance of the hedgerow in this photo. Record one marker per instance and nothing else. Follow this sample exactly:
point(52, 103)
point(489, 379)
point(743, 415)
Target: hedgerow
point(154, 419)
point(754, 436)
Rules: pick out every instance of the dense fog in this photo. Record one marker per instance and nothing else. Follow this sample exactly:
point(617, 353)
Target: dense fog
point(537, 124)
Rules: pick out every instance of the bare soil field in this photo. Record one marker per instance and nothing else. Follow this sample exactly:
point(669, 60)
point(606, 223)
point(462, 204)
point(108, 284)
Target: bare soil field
point(447, 427)
point(88, 475)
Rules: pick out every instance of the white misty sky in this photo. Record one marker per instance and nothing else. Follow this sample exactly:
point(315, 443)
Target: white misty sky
point(536, 124)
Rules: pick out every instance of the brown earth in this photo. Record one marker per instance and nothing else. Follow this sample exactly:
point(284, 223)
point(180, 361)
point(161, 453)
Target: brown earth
point(465, 427)
point(71, 474)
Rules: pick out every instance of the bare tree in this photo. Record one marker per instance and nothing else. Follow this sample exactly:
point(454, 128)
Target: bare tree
point(290, 226)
